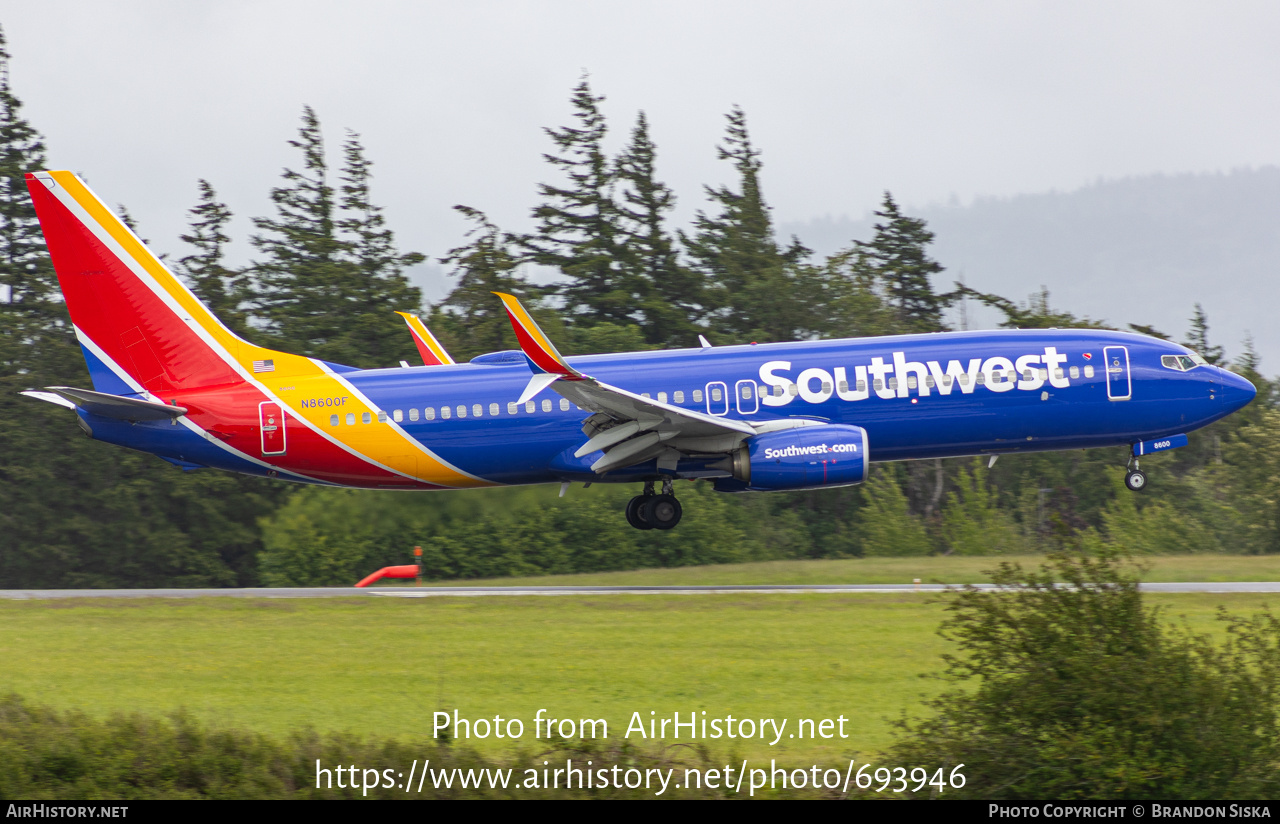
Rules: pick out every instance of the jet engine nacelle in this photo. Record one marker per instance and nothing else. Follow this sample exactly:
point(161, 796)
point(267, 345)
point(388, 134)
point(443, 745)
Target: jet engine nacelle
point(809, 457)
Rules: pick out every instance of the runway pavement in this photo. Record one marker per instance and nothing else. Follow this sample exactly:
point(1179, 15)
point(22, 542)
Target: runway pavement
point(478, 592)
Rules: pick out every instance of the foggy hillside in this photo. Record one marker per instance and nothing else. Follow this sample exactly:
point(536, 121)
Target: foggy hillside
point(1136, 250)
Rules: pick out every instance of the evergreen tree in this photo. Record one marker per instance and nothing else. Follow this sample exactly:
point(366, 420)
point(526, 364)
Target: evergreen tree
point(578, 230)
point(222, 289)
point(300, 282)
point(75, 512)
point(1035, 313)
point(326, 278)
point(846, 303)
point(28, 287)
point(380, 285)
point(1198, 339)
point(37, 348)
point(1249, 363)
point(973, 523)
point(1150, 331)
point(886, 524)
point(896, 256)
point(1249, 366)
point(671, 299)
point(757, 291)
point(471, 321)
point(1247, 481)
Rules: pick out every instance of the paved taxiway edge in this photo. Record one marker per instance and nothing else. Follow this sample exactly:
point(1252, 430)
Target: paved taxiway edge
point(476, 592)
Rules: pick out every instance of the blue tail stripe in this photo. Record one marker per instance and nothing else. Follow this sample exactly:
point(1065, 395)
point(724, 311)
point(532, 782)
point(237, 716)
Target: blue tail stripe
point(103, 377)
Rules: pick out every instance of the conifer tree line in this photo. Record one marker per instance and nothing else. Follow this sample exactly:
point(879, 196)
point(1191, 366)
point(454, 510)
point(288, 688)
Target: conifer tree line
point(625, 275)
point(327, 275)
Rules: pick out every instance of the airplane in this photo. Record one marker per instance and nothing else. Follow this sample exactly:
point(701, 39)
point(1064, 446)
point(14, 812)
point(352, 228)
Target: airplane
point(170, 379)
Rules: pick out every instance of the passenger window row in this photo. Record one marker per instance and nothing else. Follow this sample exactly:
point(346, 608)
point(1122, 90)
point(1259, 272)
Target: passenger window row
point(476, 410)
point(676, 396)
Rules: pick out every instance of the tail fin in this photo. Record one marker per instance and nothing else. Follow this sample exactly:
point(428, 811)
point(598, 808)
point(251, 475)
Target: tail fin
point(139, 326)
point(144, 333)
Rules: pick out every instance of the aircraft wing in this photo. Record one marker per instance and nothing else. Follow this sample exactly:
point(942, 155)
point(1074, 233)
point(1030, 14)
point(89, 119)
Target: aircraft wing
point(628, 428)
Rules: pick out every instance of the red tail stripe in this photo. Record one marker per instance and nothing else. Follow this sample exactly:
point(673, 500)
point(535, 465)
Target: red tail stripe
point(534, 351)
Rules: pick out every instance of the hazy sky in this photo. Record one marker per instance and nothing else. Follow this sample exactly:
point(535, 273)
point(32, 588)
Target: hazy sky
point(931, 100)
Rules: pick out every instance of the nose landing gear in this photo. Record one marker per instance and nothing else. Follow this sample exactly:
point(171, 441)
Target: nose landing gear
point(650, 511)
point(1135, 479)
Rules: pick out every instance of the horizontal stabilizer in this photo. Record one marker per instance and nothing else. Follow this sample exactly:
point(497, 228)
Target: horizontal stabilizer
point(48, 397)
point(114, 406)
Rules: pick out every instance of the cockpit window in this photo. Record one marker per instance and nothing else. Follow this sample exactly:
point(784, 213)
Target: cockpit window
point(1182, 363)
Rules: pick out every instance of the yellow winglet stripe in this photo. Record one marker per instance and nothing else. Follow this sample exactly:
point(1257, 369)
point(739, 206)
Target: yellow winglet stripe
point(429, 340)
point(531, 328)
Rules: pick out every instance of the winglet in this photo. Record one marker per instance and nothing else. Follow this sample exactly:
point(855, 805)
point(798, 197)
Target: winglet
point(537, 347)
point(433, 354)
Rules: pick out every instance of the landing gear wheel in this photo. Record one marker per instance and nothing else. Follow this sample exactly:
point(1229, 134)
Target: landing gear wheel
point(635, 508)
point(1136, 480)
point(662, 511)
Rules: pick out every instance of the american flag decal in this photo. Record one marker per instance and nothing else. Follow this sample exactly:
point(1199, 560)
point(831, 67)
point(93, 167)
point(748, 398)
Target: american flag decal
point(264, 366)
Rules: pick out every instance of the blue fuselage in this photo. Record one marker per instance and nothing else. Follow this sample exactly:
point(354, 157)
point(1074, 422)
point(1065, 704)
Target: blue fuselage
point(917, 396)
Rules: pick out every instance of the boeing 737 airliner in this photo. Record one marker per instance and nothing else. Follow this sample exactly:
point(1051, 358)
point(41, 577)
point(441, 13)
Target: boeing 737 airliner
point(170, 379)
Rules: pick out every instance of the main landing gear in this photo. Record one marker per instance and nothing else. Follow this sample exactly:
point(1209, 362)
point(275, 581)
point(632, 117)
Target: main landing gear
point(650, 511)
point(1135, 478)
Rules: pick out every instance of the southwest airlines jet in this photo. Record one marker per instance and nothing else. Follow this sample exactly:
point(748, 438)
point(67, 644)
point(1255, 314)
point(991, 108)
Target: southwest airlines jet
point(170, 379)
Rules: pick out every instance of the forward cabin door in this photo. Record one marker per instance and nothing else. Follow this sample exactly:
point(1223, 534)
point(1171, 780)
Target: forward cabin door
point(1119, 383)
point(271, 424)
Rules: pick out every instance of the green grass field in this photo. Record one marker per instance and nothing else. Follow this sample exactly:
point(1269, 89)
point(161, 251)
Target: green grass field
point(382, 665)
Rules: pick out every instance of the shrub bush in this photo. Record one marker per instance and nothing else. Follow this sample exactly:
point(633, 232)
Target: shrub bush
point(1067, 686)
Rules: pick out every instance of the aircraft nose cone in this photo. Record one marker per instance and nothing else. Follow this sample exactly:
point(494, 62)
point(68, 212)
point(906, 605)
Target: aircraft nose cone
point(1236, 391)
